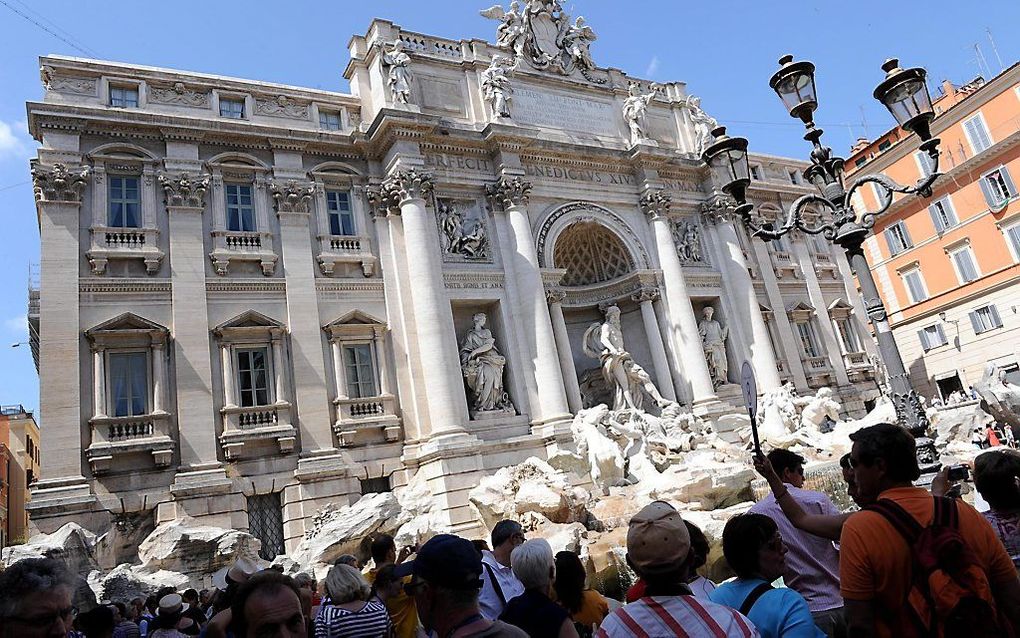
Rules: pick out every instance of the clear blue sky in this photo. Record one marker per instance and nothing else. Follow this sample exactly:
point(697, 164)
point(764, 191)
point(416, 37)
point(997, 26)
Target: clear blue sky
point(724, 50)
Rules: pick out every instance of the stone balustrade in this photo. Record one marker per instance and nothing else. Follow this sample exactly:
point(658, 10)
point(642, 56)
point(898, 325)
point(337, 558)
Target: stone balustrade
point(337, 249)
point(111, 243)
point(114, 438)
point(245, 427)
point(238, 245)
point(359, 419)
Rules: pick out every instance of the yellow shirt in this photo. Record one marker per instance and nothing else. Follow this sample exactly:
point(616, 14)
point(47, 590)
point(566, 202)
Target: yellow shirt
point(403, 612)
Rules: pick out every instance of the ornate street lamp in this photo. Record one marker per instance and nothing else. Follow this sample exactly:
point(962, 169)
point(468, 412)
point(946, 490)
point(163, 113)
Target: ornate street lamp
point(905, 94)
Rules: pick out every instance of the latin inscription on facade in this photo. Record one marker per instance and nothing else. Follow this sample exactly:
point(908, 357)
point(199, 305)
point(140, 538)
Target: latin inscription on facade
point(442, 161)
point(605, 178)
point(564, 112)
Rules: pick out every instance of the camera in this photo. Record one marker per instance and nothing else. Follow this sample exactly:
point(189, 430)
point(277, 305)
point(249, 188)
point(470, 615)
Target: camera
point(959, 472)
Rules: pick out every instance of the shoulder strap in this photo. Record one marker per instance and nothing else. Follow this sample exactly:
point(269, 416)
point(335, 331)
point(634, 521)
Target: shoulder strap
point(495, 582)
point(946, 513)
point(752, 598)
point(899, 518)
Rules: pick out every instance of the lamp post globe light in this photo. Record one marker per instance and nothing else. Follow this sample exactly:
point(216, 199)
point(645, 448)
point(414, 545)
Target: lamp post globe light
point(905, 93)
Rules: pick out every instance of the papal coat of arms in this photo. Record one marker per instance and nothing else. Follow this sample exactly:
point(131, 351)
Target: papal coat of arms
point(542, 34)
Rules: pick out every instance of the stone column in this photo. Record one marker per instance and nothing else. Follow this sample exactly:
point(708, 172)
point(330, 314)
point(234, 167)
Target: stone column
point(311, 394)
point(380, 357)
point(406, 192)
point(683, 325)
point(745, 299)
point(663, 379)
point(338, 370)
point(279, 367)
point(784, 329)
point(511, 195)
point(833, 351)
point(227, 369)
point(58, 194)
point(567, 369)
point(196, 415)
point(158, 373)
point(98, 380)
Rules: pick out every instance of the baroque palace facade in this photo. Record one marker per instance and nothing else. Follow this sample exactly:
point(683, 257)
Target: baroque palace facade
point(255, 297)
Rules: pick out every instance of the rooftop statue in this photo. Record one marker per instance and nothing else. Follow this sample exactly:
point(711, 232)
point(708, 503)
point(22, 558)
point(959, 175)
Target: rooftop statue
point(398, 65)
point(496, 85)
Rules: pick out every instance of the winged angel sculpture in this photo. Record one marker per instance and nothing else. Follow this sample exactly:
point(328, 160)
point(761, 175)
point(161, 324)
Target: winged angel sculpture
point(542, 34)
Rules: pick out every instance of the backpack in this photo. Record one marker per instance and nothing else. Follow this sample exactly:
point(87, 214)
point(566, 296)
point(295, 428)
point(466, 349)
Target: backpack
point(950, 594)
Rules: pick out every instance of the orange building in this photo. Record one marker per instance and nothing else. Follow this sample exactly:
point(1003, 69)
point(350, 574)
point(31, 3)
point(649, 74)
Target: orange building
point(19, 468)
point(948, 267)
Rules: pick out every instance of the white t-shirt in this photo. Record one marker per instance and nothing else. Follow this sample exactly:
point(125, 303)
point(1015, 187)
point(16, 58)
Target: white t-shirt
point(488, 599)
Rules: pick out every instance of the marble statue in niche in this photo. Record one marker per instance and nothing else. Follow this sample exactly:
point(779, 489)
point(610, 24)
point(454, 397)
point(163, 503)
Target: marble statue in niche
point(496, 85)
point(628, 380)
point(713, 339)
point(635, 108)
point(482, 366)
point(461, 237)
point(702, 122)
point(399, 77)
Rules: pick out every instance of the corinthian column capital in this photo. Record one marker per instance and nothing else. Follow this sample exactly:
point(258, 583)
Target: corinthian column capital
point(57, 183)
point(656, 204)
point(291, 197)
point(647, 293)
point(408, 184)
point(719, 209)
point(183, 190)
point(509, 192)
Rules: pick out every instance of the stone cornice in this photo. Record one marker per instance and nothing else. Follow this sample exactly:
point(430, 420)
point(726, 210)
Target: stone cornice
point(473, 279)
point(374, 286)
point(122, 286)
point(246, 286)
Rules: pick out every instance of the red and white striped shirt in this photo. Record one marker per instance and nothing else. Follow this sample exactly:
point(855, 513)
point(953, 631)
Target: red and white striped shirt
point(681, 616)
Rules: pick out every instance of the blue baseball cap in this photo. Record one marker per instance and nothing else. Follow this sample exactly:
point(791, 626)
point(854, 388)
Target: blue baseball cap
point(449, 561)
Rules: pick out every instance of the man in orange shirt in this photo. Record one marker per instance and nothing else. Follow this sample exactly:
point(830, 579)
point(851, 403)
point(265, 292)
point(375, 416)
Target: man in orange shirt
point(875, 560)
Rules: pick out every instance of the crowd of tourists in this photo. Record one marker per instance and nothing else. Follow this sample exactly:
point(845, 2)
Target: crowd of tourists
point(909, 562)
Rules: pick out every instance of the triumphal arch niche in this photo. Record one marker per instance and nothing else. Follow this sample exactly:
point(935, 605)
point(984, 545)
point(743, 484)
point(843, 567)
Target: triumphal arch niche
point(407, 270)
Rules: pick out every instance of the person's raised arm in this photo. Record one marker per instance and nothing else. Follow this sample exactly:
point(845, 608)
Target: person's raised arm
point(824, 525)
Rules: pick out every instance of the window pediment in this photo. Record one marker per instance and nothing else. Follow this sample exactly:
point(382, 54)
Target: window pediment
point(249, 324)
point(800, 311)
point(840, 309)
point(355, 325)
point(127, 329)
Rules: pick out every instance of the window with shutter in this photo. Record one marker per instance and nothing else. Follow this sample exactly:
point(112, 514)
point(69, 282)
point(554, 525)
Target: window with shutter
point(942, 215)
point(924, 163)
point(977, 133)
point(1013, 237)
point(997, 187)
point(985, 318)
point(963, 262)
point(915, 285)
point(923, 336)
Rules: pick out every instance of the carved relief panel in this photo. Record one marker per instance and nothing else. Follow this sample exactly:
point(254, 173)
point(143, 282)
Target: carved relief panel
point(464, 234)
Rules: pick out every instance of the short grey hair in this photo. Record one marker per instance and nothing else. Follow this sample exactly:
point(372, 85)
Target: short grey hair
point(345, 584)
point(30, 577)
point(533, 564)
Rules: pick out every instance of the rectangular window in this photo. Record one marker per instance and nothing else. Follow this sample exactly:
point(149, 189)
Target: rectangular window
point(329, 120)
point(963, 262)
point(932, 337)
point(985, 318)
point(240, 208)
point(997, 187)
point(808, 343)
point(265, 522)
point(123, 202)
point(977, 133)
point(1013, 236)
point(794, 177)
point(848, 335)
point(360, 371)
point(915, 285)
point(781, 244)
point(861, 161)
point(124, 97)
point(341, 217)
point(897, 238)
point(232, 108)
point(884, 144)
point(942, 214)
point(252, 376)
point(756, 172)
point(129, 383)
point(925, 163)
